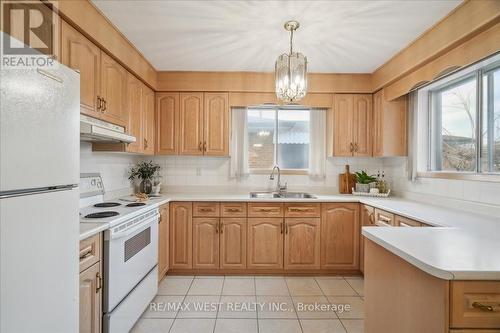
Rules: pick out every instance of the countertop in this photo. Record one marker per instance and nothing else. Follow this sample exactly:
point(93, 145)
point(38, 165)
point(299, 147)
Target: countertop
point(460, 246)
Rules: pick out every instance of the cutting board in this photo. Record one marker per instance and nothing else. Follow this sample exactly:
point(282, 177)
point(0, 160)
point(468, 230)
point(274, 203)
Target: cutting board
point(346, 181)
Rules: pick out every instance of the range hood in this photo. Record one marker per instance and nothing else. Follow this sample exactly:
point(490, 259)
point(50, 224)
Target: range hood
point(96, 130)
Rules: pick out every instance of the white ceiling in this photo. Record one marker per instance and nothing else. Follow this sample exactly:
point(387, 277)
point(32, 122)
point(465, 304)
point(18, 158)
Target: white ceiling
point(223, 35)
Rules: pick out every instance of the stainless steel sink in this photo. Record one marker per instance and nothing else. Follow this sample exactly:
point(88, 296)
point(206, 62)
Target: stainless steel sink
point(285, 195)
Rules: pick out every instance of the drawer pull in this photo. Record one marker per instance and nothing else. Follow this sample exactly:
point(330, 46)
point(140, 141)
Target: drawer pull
point(301, 210)
point(205, 210)
point(384, 219)
point(87, 254)
point(233, 210)
point(267, 210)
point(482, 307)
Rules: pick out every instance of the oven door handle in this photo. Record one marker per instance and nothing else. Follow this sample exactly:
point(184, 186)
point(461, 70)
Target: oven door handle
point(150, 221)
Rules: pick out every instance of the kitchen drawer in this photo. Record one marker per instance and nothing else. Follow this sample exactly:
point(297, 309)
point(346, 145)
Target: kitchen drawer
point(206, 209)
point(475, 304)
point(383, 218)
point(405, 222)
point(302, 210)
point(265, 209)
point(90, 251)
point(233, 209)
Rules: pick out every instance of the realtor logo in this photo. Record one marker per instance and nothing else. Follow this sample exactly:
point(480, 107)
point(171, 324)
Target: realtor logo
point(31, 32)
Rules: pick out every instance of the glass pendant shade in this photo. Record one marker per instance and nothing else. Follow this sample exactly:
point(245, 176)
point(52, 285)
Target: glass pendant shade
point(291, 77)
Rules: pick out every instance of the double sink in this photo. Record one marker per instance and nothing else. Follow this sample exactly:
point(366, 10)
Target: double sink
point(284, 195)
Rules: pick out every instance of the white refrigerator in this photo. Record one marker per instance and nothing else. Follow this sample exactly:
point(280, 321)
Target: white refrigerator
point(39, 221)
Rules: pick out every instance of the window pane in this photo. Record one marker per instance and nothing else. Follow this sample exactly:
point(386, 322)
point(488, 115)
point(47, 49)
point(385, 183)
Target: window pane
point(457, 105)
point(293, 139)
point(261, 124)
point(491, 122)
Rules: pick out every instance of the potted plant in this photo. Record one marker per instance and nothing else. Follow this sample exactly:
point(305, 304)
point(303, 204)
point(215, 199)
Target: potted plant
point(145, 172)
point(363, 181)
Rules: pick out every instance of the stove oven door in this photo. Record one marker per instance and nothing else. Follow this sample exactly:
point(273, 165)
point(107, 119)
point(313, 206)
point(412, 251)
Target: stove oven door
point(130, 253)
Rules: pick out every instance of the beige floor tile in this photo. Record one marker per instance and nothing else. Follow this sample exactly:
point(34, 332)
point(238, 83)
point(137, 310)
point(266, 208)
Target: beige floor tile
point(163, 307)
point(237, 307)
point(354, 325)
point(152, 326)
point(236, 326)
point(271, 286)
point(279, 326)
point(322, 326)
point(335, 287)
point(208, 286)
point(356, 304)
point(303, 286)
point(193, 326)
point(357, 283)
point(174, 286)
point(199, 307)
point(275, 307)
point(238, 286)
point(311, 307)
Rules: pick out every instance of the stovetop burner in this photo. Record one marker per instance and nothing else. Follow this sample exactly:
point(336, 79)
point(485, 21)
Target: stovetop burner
point(136, 204)
point(107, 204)
point(101, 215)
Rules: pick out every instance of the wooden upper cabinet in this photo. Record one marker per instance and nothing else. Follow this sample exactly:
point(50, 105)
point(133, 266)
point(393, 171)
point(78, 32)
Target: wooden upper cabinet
point(167, 123)
point(90, 300)
point(233, 243)
point(206, 242)
point(340, 236)
point(302, 243)
point(352, 125)
point(113, 91)
point(362, 138)
point(181, 235)
point(79, 53)
point(265, 243)
point(148, 120)
point(343, 125)
point(216, 124)
point(191, 124)
point(163, 231)
point(389, 128)
point(134, 105)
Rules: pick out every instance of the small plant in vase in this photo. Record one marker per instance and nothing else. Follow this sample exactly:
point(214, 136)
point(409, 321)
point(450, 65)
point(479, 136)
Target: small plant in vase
point(145, 171)
point(363, 181)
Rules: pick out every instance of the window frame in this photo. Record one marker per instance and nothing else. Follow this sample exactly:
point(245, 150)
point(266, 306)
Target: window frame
point(426, 168)
point(276, 108)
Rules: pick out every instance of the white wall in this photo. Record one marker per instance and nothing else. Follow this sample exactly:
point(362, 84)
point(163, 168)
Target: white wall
point(113, 168)
point(186, 173)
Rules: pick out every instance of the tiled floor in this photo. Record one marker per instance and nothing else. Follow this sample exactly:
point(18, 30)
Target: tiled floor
point(248, 304)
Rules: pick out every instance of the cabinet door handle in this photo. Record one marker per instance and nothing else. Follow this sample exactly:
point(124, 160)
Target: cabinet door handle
point(200, 146)
point(281, 227)
point(351, 146)
point(221, 228)
point(98, 284)
point(217, 228)
point(482, 307)
point(104, 104)
point(99, 103)
point(205, 146)
point(356, 147)
point(145, 143)
point(286, 228)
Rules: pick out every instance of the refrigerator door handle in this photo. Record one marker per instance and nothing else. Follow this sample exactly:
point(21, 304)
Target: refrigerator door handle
point(31, 191)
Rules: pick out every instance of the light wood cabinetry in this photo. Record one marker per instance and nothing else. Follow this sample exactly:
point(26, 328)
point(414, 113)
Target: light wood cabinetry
point(401, 221)
point(352, 125)
point(367, 216)
point(206, 209)
point(389, 122)
point(148, 120)
point(167, 123)
point(113, 91)
point(340, 236)
point(265, 209)
point(205, 242)
point(163, 239)
point(216, 124)
point(302, 243)
point(134, 105)
point(302, 210)
point(233, 209)
point(384, 219)
point(191, 124)
point(265, 243)
point(181, 235)
point(233, 243)
point(90, 285)
point(79, 53)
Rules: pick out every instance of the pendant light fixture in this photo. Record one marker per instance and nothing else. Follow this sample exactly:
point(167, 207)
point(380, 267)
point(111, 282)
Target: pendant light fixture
point(291, 71)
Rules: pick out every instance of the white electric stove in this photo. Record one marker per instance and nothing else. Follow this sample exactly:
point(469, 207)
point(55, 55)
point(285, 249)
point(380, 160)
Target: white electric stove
point(130, 252)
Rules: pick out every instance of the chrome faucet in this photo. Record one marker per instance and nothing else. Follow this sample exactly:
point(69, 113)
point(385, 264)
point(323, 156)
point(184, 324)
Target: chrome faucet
point(279, 188)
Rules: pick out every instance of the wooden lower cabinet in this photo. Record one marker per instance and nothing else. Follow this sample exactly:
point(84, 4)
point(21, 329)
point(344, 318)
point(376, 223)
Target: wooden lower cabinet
point(181, 235)
point(163, 231)
point(205, 242)
point(302, 243)
point(265, 243)
point(233, 243)
point(340, 236)
point(367, 220)
point(90, 299)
